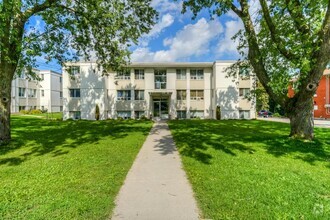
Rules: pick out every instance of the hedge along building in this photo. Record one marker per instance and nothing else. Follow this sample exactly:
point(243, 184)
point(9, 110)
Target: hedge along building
point(321, 97)
point(163, 90)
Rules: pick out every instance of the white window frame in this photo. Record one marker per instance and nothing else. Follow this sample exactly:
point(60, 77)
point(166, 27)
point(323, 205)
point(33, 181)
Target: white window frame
point(126, 95)
point(197, 74)
point(139, 95)
point(244, 92)
point(181, 74)
point(180, 96)
point(21, 92)
point(139, 74)
point(123, 75)
point(74, 93)
point(194, 95)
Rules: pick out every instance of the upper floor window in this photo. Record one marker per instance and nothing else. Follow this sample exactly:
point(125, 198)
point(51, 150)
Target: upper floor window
point(139, 73)
point(42, 76)
point(126, 75)
point(196, 94)
point(139, 95)
point(244, 72)
point(196, 74)
point(32, 93)
point(74, 70)
point(181, 74)
point(21, 92)
point(61, 94)
point(75, 93)
point(181, 94)
point(160, 79)
point(124, 95)
point(60, 79)
point(42, 93)
point(244, 91)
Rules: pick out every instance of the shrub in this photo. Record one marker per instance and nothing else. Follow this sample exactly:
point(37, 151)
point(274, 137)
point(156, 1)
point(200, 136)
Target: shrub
point(97, 112)
point(35, 112)
point(277, 115)
point(24, 112)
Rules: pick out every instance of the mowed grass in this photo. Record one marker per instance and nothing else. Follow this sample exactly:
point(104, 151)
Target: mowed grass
point(252, 170)
point(66, 169)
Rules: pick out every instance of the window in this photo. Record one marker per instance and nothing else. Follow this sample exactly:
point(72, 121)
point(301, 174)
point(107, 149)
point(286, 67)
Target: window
point(60, 79)
point(139, 94)
point(139, 114)
point(74, 70)
point(244, 72)
point(160, 79)
point(124, 114)
point(42, 93)
point(61, 94)
point(75, 114)
point(75, 93)
point(125, 75)
point(21, 92)
point(181, 94)
point(139, 73)
point(32, 93)
point(181, 114)
point(181, 74)
point(61, 108)
point(196, 74)
point(197, 114)
point(20, 108)
point(42, 76)
point(244, 114)
point(196, 94)
point(42, 108)
point(124, 95)
point(244, 92)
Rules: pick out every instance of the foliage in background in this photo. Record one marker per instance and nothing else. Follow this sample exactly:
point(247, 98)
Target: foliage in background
point(281, 39)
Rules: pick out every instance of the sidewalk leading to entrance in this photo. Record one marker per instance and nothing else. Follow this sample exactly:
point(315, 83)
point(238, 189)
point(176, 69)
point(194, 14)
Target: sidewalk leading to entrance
point(156, 187)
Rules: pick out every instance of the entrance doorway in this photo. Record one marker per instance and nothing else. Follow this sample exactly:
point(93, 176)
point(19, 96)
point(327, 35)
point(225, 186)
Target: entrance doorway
point(161, 108)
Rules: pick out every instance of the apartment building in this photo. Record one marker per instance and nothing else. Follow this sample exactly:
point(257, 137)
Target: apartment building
point(45, 94)
point(156, 90)
point(321, 97)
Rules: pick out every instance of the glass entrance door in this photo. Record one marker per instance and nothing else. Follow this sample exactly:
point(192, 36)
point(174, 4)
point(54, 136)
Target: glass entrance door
point(161, 108)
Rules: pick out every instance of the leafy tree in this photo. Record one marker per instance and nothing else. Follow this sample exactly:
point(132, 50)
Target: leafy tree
point(262, 98)
point(69, 30)
point(283, 39)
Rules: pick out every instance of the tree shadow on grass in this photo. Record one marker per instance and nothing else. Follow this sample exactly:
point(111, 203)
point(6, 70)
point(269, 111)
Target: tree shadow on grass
point(233, 136)
point(39, 136)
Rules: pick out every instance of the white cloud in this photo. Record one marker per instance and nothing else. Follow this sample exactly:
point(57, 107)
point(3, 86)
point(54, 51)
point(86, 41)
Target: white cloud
point(226, 44)
point(164, 6)
point(166, 21)
point(192, 40)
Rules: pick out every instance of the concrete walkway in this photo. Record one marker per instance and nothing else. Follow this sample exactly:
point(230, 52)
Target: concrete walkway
point(156, 187)
point(317, 122)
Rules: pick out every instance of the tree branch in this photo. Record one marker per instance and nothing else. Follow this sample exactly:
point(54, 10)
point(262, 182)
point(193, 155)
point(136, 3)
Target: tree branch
point(273, 32)
point(255, 56)
point(38, 8)
point(297, 16)
point(236, 10)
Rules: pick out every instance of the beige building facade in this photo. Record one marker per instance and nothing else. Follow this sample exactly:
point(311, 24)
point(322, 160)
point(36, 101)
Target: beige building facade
point(45, 94)
point(156, 90)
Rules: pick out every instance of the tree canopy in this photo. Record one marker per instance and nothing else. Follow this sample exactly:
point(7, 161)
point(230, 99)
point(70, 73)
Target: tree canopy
point(282, 39)
point(64, 31)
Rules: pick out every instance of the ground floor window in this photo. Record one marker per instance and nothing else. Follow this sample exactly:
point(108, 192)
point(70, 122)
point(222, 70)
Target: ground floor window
point(124, 114)
point(21, 108)
point(139, 114)
point(197, 114)
point(181, 114)
point(244, 114)
point(75, 114)
point(61, 108)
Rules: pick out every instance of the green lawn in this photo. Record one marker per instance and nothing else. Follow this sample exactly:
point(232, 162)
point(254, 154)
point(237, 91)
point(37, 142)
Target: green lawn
point(66, 169)
point(252, 170)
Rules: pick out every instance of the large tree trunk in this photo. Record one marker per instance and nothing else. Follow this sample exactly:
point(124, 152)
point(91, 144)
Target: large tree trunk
point(5, 100)
point(302, 119)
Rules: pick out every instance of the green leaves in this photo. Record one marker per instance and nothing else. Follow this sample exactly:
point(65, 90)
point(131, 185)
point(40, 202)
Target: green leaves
point(71, 30)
